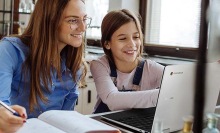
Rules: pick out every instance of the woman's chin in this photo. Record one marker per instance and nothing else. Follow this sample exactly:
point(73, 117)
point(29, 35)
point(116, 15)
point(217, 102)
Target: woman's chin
point(76, 44)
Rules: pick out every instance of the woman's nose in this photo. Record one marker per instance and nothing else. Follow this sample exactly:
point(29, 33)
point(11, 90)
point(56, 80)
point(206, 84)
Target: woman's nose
point(82, 26)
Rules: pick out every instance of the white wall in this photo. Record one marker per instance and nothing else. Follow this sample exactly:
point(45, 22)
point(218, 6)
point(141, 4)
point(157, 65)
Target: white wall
point(132, 5)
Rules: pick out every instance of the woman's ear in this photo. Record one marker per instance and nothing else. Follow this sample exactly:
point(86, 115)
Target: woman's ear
point(107, 45)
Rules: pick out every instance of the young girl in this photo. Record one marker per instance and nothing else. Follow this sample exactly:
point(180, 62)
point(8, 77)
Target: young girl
point(122, 77)
point(40, 69)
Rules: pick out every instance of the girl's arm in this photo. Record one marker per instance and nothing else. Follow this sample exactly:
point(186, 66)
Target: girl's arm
point(116, 100)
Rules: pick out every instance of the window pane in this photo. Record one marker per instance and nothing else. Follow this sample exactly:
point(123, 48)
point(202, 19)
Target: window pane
point(173, 22)
point(96, 9)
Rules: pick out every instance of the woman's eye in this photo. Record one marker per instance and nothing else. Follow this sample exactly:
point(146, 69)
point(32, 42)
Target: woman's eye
point(85, 20)
point(72, 21)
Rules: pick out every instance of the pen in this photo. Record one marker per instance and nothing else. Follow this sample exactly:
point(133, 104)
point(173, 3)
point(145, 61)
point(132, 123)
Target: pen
point(9, 109)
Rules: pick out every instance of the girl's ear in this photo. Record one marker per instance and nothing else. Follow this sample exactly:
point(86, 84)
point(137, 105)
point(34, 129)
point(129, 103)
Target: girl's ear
point(107, 45)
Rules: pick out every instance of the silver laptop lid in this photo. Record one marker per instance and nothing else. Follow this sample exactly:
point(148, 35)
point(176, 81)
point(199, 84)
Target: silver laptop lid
point(176, 98)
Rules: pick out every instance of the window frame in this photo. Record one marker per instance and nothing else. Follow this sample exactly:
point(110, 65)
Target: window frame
point(157, 49)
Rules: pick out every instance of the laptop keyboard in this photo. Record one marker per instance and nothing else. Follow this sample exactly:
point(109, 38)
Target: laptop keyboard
point(138, 118)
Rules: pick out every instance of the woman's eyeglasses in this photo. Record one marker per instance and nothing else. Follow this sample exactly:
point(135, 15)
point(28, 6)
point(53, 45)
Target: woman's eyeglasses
point(75, 22)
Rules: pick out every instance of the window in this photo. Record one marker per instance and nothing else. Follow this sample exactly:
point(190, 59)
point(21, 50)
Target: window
point(173, 23)
point(96, 9)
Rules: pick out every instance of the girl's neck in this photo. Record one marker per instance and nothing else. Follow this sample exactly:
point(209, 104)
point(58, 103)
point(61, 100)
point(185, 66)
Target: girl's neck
point(126, 67)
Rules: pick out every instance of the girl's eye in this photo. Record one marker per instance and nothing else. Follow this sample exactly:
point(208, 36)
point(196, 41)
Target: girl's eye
point(122, 38)
point(136, 37)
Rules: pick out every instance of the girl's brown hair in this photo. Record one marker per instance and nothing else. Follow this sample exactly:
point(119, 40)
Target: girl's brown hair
point(41, 36)
point(112, 22)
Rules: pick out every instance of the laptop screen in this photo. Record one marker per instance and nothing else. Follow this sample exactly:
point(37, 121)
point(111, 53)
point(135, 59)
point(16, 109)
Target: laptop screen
point(176, 98)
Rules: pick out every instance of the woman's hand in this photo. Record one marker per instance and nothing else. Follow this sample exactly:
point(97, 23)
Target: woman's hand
point(10, 123)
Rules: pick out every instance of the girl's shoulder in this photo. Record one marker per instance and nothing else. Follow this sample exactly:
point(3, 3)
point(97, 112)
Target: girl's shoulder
point(101, 60)
point(99, 65)
point(151, 62)
point(153, 65)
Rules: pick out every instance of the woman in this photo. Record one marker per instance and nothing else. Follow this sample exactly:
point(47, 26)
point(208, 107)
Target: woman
point(40, 70)
point(122, 77)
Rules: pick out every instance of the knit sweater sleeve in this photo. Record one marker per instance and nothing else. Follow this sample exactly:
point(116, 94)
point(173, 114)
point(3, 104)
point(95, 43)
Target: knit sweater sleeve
point(110, 95)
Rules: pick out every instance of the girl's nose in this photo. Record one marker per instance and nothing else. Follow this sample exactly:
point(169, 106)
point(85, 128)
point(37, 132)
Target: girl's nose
point(131, 43)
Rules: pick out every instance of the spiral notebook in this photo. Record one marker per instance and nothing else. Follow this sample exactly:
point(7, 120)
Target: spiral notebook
point(175, 101)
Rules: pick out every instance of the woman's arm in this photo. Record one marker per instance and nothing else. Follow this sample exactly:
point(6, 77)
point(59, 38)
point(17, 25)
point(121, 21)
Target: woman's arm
point(8, 62)
point(10, 123)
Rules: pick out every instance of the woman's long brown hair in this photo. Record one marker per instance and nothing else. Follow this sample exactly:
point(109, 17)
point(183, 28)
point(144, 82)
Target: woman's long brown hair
point(41, 36)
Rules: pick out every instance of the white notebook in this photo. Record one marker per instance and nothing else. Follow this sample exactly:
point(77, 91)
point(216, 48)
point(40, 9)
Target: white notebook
point(56, 121)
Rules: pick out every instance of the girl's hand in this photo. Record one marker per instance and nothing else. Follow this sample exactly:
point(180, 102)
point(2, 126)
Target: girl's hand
point(10, 123)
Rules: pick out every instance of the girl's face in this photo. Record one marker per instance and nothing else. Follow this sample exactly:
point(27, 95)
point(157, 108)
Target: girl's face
point(73, 24)
point(125, 44)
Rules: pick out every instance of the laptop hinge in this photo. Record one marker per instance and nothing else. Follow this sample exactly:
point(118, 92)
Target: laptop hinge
point(166, 130)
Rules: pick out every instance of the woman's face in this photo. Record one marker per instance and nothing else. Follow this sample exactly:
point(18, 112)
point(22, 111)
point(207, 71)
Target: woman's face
point(72, 25)
point(125, 43)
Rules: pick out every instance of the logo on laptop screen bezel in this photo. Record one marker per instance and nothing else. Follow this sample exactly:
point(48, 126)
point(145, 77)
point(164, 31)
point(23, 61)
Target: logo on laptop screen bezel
point(172, 73)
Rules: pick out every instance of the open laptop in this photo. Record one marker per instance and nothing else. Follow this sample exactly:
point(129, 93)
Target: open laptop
point(175, 101)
